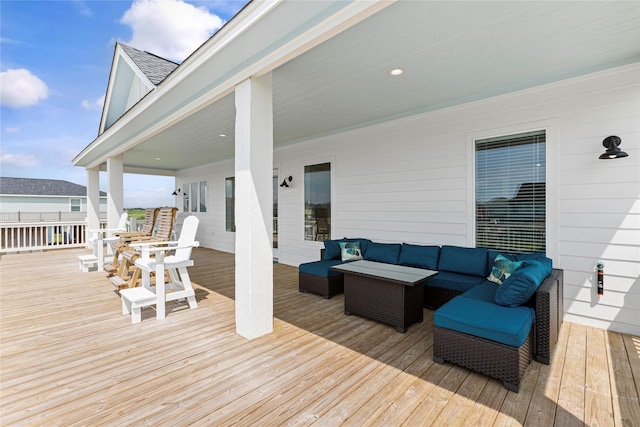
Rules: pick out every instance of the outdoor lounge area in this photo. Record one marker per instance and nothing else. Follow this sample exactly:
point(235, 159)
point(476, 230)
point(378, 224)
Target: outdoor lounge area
point(70, 358)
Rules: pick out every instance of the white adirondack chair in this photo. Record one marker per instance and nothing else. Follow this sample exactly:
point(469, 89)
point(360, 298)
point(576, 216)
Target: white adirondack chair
point(109, 238)
point(179, 286)
point(97, 239)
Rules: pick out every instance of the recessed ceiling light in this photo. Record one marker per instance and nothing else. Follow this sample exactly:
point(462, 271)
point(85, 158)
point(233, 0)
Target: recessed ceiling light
point(396, 71)
point(223, 135)
point(157, 158)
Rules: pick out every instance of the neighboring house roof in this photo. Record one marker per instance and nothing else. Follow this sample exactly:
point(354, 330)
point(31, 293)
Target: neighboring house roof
point(154, 67)
point(42, 187)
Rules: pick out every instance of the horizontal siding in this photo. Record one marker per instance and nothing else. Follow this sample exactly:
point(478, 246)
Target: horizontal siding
point(599, 210)
point(410, 180)
point(211, 230)
point(601, 235)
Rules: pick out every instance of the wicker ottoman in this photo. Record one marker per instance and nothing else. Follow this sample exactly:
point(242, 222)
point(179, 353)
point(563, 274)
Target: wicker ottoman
point(491, 358)
point(325, 286)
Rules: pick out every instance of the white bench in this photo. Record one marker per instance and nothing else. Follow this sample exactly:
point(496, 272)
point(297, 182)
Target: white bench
point(87, 261)
point(133, 299)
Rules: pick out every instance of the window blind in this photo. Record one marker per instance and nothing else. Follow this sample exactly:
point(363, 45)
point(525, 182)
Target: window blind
point(510, 192)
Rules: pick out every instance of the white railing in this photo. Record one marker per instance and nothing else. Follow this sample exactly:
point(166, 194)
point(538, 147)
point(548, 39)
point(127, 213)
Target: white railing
point(28, 236)
point(24, 216)
point(41, 235)
point(36, 231)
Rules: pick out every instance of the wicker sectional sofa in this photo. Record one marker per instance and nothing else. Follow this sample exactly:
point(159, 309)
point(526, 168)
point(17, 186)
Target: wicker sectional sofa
point(492, 328)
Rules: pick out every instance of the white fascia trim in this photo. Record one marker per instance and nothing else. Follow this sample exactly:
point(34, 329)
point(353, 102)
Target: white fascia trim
point(254, 11)
point(107, 96)
point(120, 55)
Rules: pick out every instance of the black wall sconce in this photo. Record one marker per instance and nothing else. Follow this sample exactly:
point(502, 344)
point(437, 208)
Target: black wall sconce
point(176, 192)
point(611, 143)
point(285, 183)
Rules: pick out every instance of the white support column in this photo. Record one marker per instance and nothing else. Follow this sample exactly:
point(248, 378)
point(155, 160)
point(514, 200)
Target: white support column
point(254, 207)
point(115, 192)
point(93, 199)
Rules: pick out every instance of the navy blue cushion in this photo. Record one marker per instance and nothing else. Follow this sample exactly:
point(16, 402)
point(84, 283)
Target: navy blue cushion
point(464, 260)
point(419, 256)
point(331, 250)
point(523, 283)
point(320, 268)
point(383, 252)
point(509, 326)
point(483, 292)
point(454, 281)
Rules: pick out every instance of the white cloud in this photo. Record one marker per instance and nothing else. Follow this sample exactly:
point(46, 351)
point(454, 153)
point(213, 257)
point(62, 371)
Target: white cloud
point(95, 105)
point(21, 160)
point(20, 88)
point(11, 130)
point(7, 40)
point(83, 8)
point(172, 29)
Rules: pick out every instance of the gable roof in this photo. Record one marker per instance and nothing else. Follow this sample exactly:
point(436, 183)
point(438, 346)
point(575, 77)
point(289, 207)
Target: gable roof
point(154, 67)
point(134, 73)
point(42, 187)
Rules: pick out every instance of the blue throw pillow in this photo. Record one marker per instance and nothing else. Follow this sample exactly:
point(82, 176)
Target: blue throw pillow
point(419, 256)
point(502, 269)
point(331, 250)
point(523, 283)
point(513, 257)
point(383, 252)
point(350, 251)
point(364, 243)
point(457, 259)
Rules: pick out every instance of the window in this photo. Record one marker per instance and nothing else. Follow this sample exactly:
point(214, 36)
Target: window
point(74, 205)
point(203, 196)
point(229, 203)
point(194, 197)
point(317, 202)
point(185, 198)
point(190, 192)
point(510, 192)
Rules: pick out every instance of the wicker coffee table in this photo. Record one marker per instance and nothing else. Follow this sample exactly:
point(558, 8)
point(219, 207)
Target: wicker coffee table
point(387, 293)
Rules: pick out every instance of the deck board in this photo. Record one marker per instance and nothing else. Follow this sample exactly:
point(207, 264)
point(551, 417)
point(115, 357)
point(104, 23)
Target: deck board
point(68, 357)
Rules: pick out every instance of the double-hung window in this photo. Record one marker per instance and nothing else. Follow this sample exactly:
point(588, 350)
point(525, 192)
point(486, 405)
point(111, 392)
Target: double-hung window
point(510, 192)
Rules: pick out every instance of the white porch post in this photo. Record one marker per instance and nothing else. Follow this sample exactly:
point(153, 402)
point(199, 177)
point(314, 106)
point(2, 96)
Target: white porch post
point(115, 192)
point(254, 207)
point(93, 199)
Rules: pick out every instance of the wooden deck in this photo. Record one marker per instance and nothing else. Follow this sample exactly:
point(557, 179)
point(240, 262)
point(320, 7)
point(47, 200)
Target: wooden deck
point(68, 357)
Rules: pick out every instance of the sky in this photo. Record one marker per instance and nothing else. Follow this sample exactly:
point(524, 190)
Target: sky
point(55, 58)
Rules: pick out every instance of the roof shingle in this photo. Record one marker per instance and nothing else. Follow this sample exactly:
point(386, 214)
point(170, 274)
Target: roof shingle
point(41, 187)
point(154, 67)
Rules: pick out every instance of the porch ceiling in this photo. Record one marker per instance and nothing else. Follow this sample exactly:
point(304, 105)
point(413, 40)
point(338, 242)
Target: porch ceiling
point(453, 52)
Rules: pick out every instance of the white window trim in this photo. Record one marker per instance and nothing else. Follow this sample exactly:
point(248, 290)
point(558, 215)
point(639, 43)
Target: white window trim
point(315, 161)
point(551, 178)
point(79, 199)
